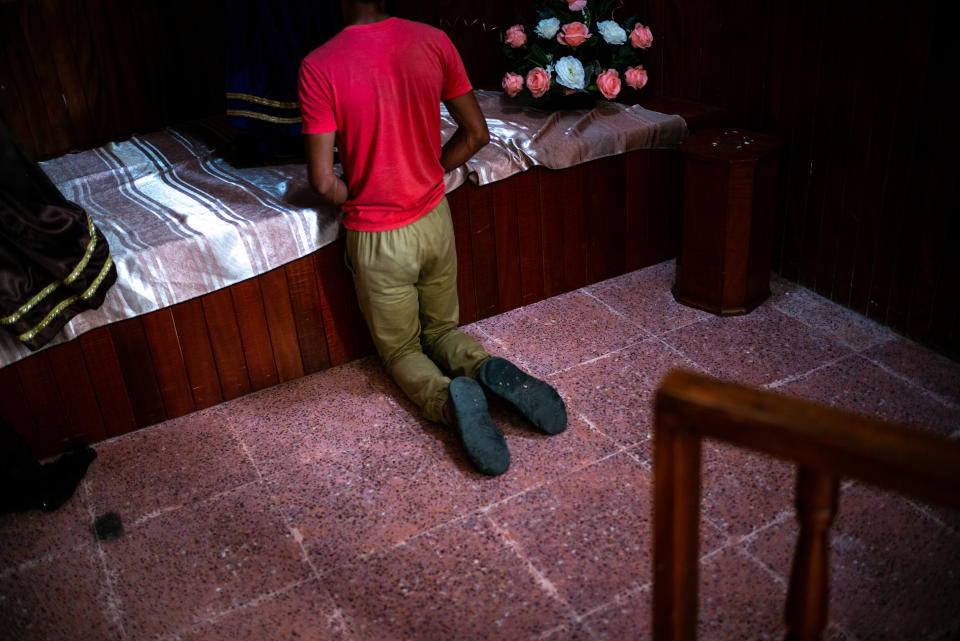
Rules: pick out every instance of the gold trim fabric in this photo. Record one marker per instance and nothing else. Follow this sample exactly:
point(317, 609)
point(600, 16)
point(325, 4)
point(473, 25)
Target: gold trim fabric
point(274, 119)
point(262, 101)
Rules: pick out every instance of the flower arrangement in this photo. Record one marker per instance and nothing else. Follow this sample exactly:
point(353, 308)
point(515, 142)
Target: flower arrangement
point(576, 46)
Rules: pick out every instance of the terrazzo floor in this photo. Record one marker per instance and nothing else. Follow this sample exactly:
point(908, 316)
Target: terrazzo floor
point(326, 509)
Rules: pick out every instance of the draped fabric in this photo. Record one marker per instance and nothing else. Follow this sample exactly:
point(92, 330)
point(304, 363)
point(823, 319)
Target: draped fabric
point(183, 220)
point(523, 136)
point(54, 262)
point(266, 40)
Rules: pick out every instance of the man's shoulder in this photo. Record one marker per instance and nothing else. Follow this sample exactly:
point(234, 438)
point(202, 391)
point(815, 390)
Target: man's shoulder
point(321, 53)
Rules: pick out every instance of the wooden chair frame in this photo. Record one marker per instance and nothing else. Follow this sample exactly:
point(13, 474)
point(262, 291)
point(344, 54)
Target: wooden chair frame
point(826, 444)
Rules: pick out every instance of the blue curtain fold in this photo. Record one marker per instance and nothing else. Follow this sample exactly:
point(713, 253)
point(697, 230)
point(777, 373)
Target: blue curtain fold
point(266, 40)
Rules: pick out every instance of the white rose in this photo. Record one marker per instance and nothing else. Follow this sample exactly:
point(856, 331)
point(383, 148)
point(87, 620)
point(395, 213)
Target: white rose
point(548, 28)
point(612, 32)
point(570, 73)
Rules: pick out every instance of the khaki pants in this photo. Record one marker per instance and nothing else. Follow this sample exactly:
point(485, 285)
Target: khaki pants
point(406, 282)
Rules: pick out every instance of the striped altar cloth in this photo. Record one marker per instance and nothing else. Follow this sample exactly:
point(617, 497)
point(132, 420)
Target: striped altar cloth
point(182, 221)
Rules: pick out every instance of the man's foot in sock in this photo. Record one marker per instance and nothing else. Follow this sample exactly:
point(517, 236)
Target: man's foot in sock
point(535, 400)
point(482, 439)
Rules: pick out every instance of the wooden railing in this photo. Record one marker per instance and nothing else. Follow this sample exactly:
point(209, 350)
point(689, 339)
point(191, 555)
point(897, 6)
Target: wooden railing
point(825, 443)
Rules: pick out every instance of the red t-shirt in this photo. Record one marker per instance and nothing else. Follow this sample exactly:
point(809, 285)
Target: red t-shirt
point(379, 86)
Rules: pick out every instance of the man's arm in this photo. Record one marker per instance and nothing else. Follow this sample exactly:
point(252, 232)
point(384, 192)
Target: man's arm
point(471, 134)
point(320, 168)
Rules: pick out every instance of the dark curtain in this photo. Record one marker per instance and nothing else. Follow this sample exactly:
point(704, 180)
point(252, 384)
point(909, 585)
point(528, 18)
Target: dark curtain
point(54, 263)
point(266, 40)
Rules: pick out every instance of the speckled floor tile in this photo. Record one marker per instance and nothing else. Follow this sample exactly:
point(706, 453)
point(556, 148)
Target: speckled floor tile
point(458, 582)
point(615, 393)
point(572, 631)
point(34, 534)
point(184, 566)
point(761, 347)
point(856, 384)
point(924, 367)
point(174, 463)
point(894, 572)
point(626, 617)
point(560, 332)
point(589, 533)
point(59, 599)
point(322, 415)
point(344, 509)
point(644, 296)
point(742, 491)
point(534, 457)
point(412, 543)
point(739, 600)
point(845, 325)
point(305, 612)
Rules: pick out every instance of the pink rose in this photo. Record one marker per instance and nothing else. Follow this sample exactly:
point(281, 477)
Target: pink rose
point(576, 5)
point(609, 83)
point(512, 84)
point(641, 37)
point(636, 77)
point(515, 36)
point(538, 81)
point(573, 34)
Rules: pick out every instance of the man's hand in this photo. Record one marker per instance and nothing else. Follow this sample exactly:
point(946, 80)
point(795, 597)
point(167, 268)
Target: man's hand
point(320, 168)
point(471, 134)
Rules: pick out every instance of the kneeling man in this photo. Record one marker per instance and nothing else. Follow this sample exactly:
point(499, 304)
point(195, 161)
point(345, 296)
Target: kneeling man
point(374, 90)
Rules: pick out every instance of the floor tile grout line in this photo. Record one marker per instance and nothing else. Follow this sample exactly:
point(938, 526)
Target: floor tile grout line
point(146, 518)
point(601, 357)
point(845, 343)
point(735, 541)
point(912, 383)
point(36, 561)
point(294, 532)
point(112, 607)
point(592, 426)
point(685, 356)
point(539, 578)
point(784, 582)
point(484, 509)
point(249, 603)
point(278, 510)
point(621, 597)
point(622, 314)
point(786, 380)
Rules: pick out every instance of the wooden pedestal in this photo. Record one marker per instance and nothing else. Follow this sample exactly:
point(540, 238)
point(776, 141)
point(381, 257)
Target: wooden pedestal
point(730, 190)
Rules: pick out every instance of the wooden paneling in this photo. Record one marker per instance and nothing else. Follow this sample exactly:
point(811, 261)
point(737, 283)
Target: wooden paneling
point(108, 382)
point(13, 406)
point(461, 231)
point(516, 242)
point(344, 327)
point(168, 362)
point(136, 365)
point(283, 326)
point(76, 392)
point(226, 344)
point(507, 239)
point(868, 172)
point(254, 334)
point(483, 248)
point(76, 74)
point(42, 399)
point(197, 353)
point(308, 314)
point(527, 192)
